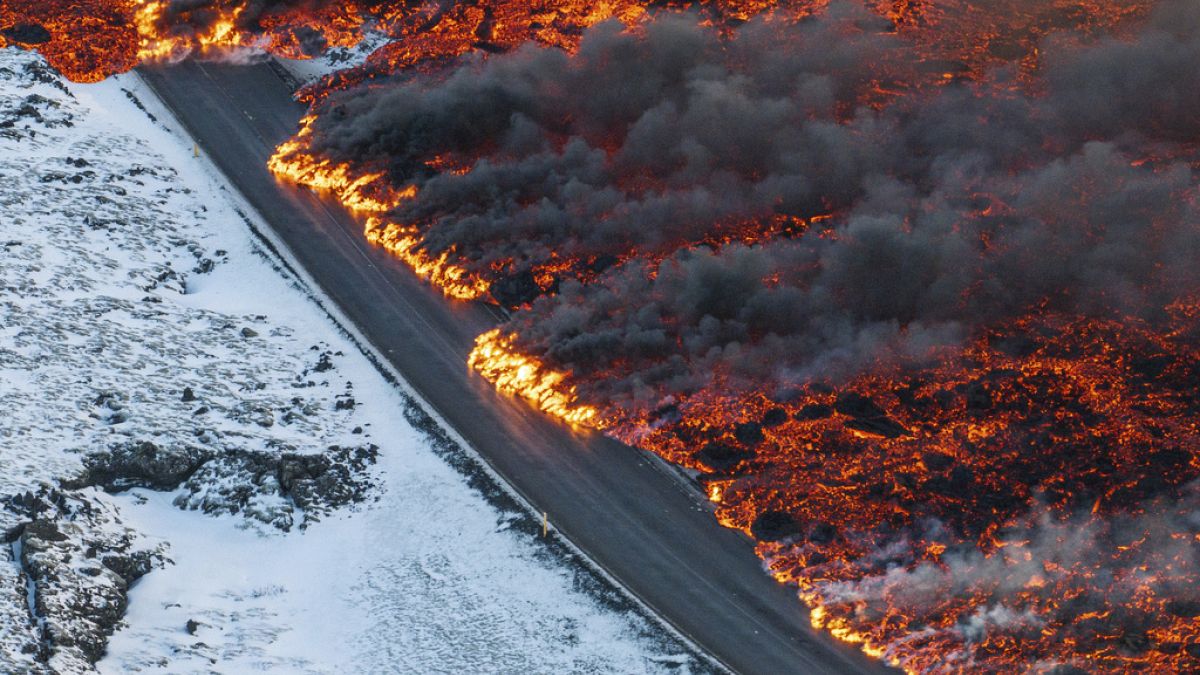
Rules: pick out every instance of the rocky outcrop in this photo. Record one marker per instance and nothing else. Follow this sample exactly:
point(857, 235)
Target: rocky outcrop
point(283, 489)
point(139, 464)
point(78, 561)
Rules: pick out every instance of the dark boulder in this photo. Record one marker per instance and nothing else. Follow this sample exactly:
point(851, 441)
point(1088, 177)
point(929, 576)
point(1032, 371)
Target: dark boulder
point(936, 461)
point(774, 417)
point(667, 414)
point(602, 262)
point(132, 565)
point(44, 530)
point(27, 34)
point(774, 526)
point(978, 397)
point(1020, 345)
point(1067, 670)
point(884, 427)
point(1151, 367)
point(721, 456)
point(856, 405)
point(961, 478)
point(1184, 609)
point(814, 411)
point(329, 480)
point(823, 533)
point(749, 433)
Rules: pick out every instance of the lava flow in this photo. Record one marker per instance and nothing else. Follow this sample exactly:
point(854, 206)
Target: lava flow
point(911, 286)
point(954, 396)
point(89, 40)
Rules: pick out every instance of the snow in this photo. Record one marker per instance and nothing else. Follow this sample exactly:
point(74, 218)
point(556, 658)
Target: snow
point(132, 275)
point(333, 60)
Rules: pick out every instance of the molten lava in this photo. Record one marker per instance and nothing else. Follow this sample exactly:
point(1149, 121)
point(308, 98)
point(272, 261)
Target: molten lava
point(524, 376)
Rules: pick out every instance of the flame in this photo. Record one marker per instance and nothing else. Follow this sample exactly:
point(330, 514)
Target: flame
point(363, 192)
point(514, 373)
point(367, 194)
point(405, 243)
point(154, 46)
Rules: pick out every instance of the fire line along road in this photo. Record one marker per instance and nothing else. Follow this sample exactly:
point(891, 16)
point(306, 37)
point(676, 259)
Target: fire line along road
point(630, 516)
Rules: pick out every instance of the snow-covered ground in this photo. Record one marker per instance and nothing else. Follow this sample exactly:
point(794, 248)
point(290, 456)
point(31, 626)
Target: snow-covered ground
point(305, 515)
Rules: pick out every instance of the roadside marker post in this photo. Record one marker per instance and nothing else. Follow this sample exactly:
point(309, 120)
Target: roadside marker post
point(545, 524)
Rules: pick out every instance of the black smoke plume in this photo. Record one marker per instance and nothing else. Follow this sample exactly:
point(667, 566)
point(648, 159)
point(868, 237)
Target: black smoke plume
point(636, 144)
point(953, 209)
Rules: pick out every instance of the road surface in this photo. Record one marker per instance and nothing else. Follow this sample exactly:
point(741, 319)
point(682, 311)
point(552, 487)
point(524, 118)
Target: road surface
point(653, 535)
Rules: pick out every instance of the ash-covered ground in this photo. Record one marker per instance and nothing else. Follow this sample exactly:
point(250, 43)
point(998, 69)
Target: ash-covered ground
point(200, 472)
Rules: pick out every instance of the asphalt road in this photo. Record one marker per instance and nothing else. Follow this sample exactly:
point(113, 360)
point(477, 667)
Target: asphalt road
point(658, 538)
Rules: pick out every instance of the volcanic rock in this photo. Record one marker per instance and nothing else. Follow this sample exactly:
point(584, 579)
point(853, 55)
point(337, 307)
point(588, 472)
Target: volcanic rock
point(265, 486)
point(823, 533)
point(667, 414)
point(774, 526)
point(139, 464)
point(978, 397)
point(885, 427)
point(272, 488)
point(1184, 609)
point(80, 561)
point(936, 461)
point(814, 411)
point(721, 456)
point(869, 418)
point(1151, 367)
point(856, 405)
point(961, 478)
point(602, 262)
point(774, 417)
point(1067, 670)
point(27, 33)
point(749, 433)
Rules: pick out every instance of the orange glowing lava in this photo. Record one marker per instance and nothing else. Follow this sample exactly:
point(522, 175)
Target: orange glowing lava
point(524, 376)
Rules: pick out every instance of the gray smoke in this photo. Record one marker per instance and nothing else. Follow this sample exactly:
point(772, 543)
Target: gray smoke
point(655, 141)
point(645, 143)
